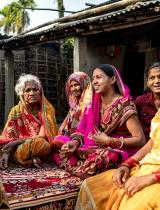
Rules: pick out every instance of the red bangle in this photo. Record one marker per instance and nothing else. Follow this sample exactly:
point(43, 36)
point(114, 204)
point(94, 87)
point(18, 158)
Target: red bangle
point(130, 162)
point(157, 175)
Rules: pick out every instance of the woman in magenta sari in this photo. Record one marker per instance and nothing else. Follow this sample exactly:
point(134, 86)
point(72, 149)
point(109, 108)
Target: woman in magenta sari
point(109, 131)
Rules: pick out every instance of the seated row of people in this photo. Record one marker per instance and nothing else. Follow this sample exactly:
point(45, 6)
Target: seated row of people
point(99, 132)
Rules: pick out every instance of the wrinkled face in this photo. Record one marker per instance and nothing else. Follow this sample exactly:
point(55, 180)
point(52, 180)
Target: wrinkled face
point(31, 93)
point(153, 81)
point(101, 82)
point(75, 88)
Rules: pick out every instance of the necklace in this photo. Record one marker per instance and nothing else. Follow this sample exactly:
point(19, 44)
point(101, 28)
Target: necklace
point(103, 110)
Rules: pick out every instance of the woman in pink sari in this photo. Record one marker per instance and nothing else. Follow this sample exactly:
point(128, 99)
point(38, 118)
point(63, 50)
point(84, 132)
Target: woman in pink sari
point(109, 131)
point(79, 94)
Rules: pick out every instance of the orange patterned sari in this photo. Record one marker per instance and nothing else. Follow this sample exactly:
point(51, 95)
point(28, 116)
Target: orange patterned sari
point(21, 124)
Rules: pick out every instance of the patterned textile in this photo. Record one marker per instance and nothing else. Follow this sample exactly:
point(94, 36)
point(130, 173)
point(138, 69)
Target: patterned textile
point(21, 124)
point(94, 159)
point(74, 115)
point(45, 188)
point(31, 148)
point(146, 111)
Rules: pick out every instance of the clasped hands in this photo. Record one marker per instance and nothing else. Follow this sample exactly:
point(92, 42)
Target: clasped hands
point(133, 184)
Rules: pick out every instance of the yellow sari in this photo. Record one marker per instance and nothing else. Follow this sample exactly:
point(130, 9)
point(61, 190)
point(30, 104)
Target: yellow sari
point(99, 193)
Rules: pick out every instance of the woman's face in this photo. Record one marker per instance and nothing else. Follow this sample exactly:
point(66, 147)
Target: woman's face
point(75, 88)
point(153, 80)
point(31, 93)
point(101, 82)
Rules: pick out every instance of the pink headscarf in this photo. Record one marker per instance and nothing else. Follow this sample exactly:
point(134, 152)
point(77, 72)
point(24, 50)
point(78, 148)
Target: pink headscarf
point(122, 88)
point(77, 108)
point(83, 79)
point(93, 112)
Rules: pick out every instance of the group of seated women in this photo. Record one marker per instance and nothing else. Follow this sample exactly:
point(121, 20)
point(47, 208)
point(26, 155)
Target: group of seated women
point(104, 129)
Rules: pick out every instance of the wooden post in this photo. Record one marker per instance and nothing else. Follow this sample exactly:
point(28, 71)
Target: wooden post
point(80, 54)
point(9, 83)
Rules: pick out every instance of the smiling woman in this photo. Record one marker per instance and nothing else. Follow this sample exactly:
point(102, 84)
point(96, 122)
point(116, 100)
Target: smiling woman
point(31, 126)
point(149, 103)
point(109, 131)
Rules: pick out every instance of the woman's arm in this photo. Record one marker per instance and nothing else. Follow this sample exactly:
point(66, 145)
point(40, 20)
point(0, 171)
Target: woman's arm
point(143, 151)
point(137, 135)
point(122, 174)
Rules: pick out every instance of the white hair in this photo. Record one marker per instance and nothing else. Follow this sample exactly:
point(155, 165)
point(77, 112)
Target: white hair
point(22, 80)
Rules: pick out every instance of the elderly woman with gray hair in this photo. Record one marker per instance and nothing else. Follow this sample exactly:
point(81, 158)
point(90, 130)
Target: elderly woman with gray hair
point(31, 126)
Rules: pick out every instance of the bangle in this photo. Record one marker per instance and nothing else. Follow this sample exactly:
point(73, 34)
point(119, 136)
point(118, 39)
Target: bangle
point(130, 162)
point(123, 164)
point(77, 137)
point(116, 143)
point(121, 141)
point(157, 175)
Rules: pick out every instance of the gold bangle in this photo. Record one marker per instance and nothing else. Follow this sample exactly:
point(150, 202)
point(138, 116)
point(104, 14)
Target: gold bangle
point(121, 139)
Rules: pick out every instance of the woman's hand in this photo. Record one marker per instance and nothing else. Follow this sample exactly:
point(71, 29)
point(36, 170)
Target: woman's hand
point(136, 183)
point(121, 175)
point(70, 147)
point(102, 139)
point(6, 152)
point(4, 160)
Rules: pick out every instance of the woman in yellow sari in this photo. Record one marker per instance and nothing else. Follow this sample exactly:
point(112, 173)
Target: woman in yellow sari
point(31, 125)
point(135, 185)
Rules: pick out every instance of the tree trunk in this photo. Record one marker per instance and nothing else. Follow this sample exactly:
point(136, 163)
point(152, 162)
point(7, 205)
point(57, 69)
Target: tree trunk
point(60, 8)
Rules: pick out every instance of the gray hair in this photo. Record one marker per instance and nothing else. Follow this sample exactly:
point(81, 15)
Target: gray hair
point(22, 80)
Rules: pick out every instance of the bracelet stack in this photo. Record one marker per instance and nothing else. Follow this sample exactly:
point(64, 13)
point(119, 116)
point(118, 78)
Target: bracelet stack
point(129, 163)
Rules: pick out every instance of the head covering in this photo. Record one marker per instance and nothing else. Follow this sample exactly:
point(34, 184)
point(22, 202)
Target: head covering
point(122, 107)
point(77, 108)
point(111, 71)
point(83, 79)
point(21, 123)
